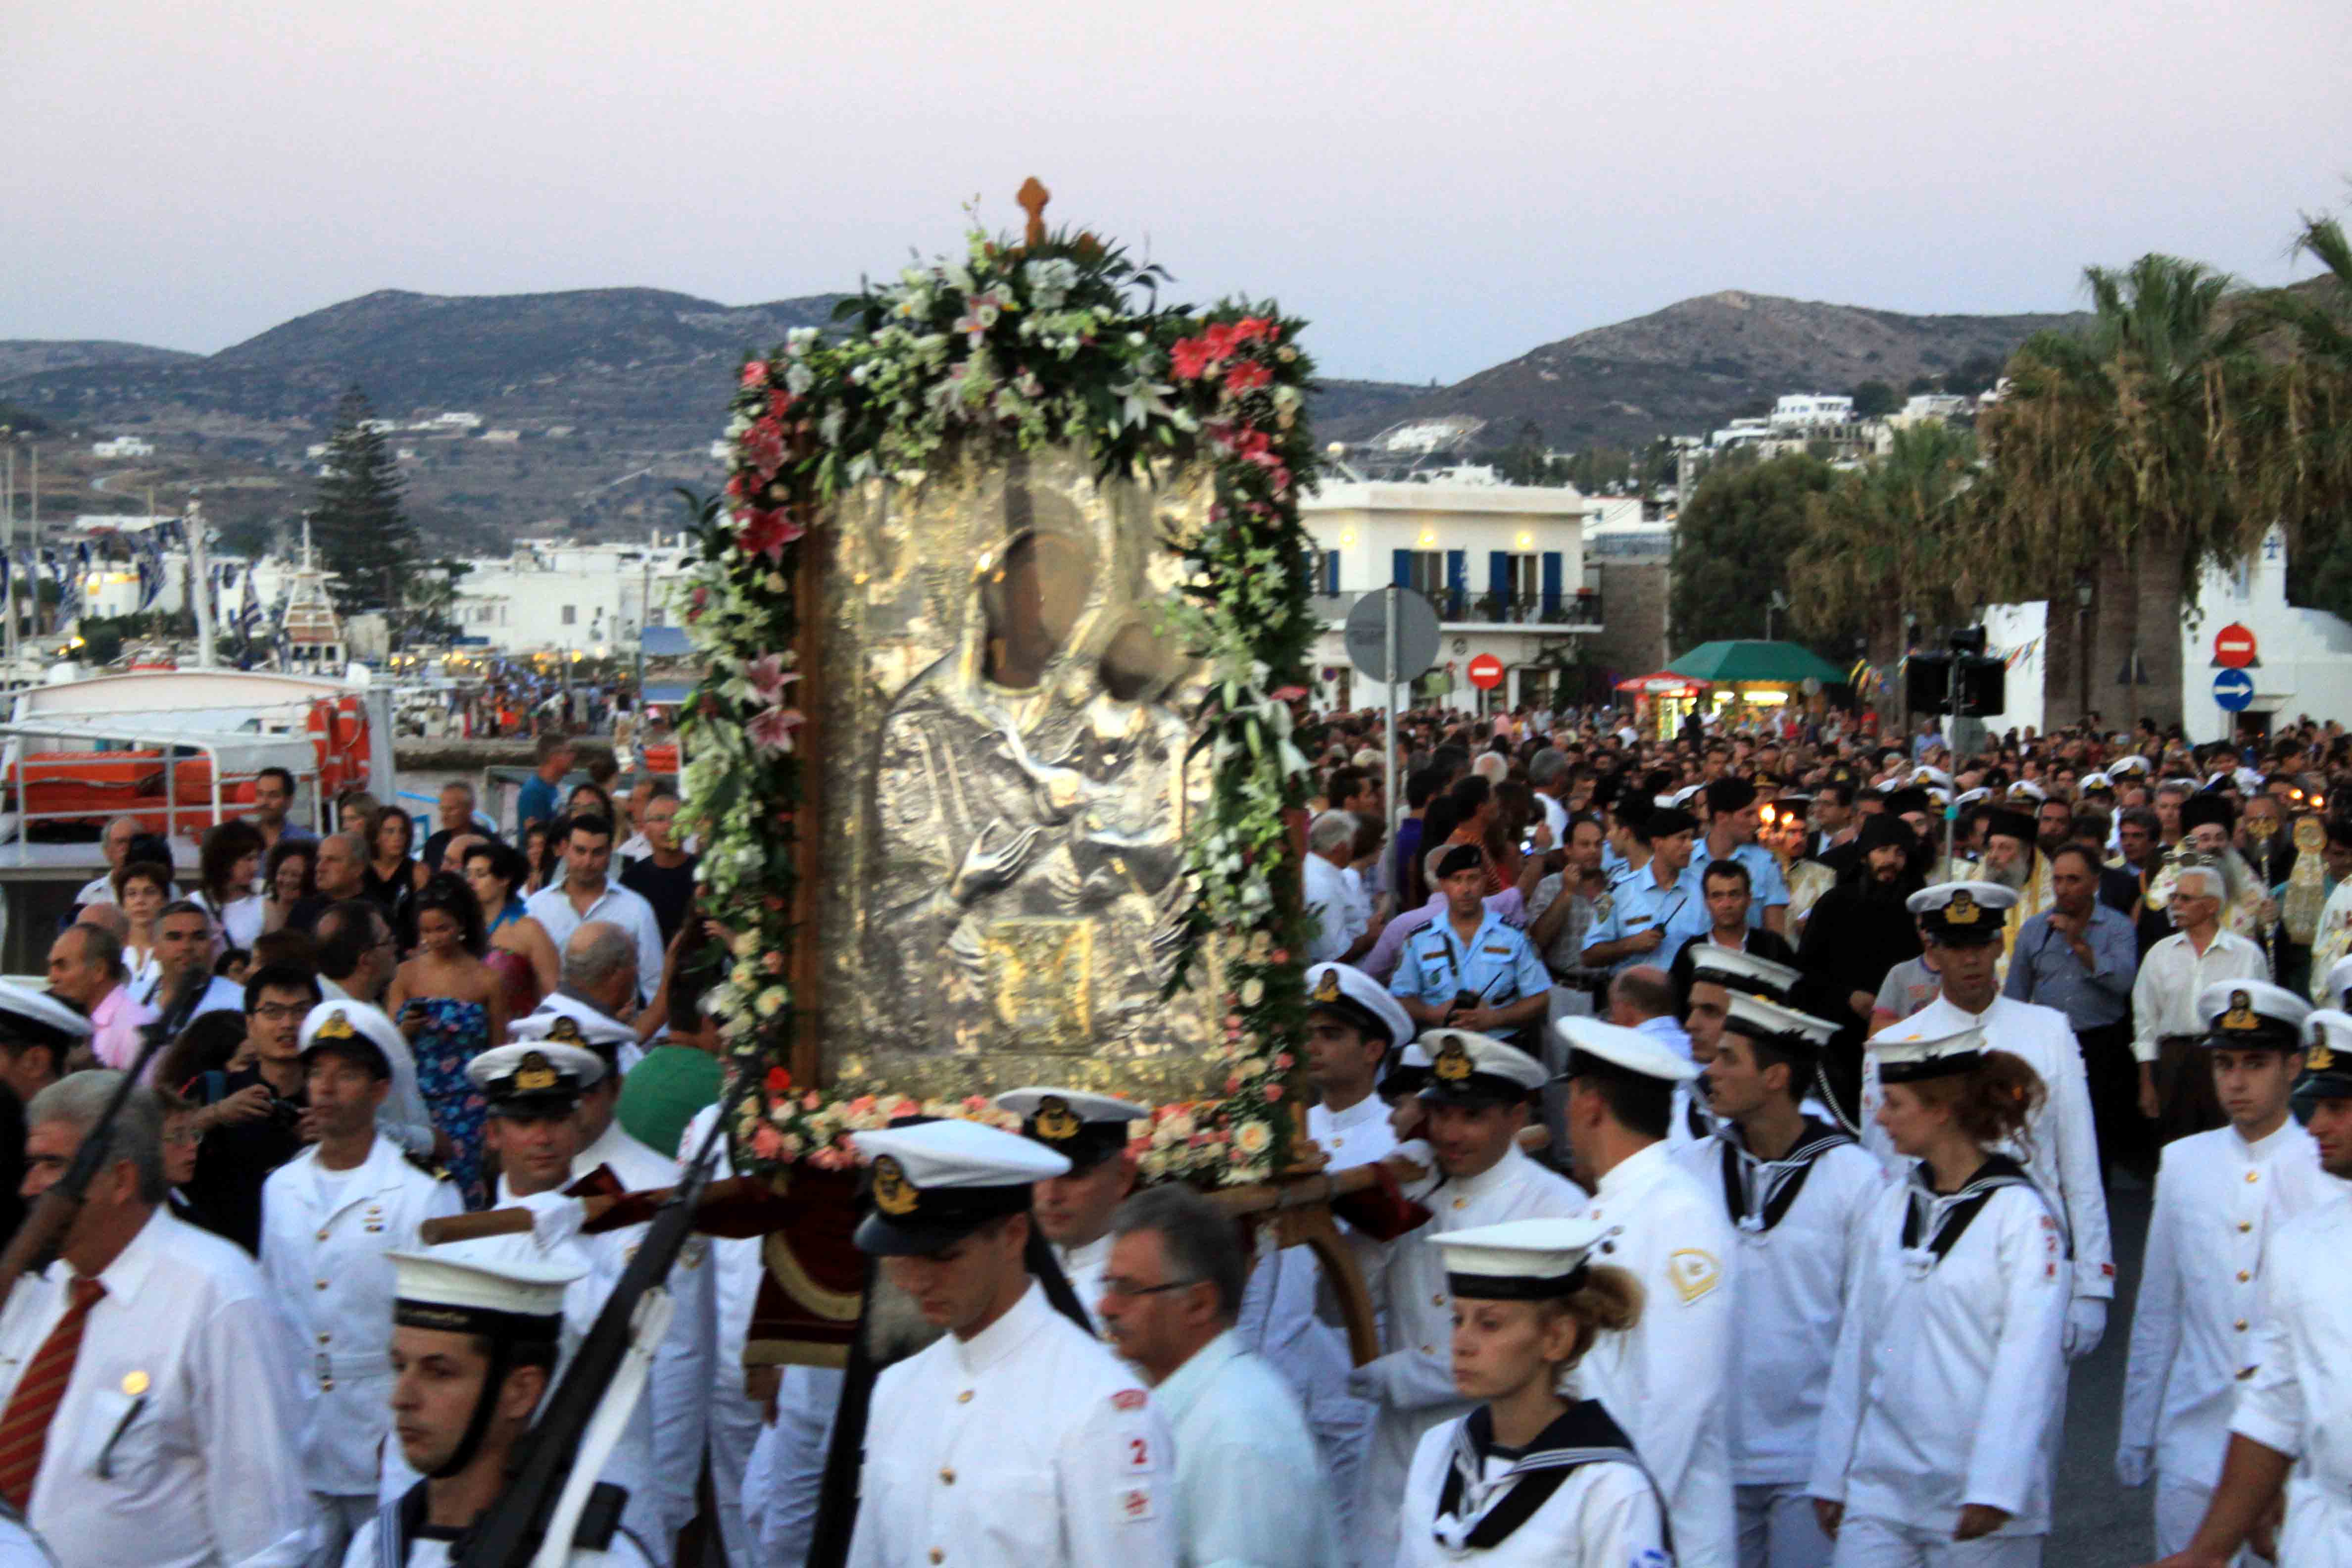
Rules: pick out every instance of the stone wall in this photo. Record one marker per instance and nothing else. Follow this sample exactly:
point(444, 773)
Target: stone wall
point(1633, 616)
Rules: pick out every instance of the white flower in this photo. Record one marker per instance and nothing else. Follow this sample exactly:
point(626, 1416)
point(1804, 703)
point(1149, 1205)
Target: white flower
point(1253, 1138)
point(771, 1001)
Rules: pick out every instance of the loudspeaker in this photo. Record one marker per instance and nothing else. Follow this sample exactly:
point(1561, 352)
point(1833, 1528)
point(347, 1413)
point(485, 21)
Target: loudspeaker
point(1984, 684)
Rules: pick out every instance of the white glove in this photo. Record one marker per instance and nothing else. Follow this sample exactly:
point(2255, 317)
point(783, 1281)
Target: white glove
point(2131, 1466)
point(2086, 1324)
point(555, 1218)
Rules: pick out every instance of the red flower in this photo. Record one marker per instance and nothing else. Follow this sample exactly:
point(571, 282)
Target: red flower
point(1220, 337)
point(763, 446)
point(1190, 357)
point(1255, 329)
point(755, 374)
point(778, 1080)
point(767, 533)
point(1247, 375)
point(780, 402)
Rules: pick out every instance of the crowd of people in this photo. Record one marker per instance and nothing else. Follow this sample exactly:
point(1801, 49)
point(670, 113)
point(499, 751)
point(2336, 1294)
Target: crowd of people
point(1722, 1126)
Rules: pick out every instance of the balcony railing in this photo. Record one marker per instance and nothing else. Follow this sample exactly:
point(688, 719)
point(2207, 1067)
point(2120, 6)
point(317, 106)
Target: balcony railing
point(1460, 606)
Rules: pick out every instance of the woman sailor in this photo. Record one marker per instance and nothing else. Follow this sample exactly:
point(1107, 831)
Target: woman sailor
point(1948, 1363)
point(1533, 1474)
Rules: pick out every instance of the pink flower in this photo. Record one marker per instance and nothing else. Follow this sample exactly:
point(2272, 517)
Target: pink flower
point(780, 402)
point(755, 374)
point(772, 730)
point(1289, 693)
point(1283, 1062)
point(1251, 327)
point(767, 1143)
point(769, 677)
point(1272, 1092)
point(1247, 375)
point(767, 533)
point(1232, 1083)
point(811, 1101)
point(762, 447)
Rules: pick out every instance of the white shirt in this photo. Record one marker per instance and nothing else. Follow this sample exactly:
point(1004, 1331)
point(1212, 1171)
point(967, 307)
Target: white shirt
point(1946, 1379)
point(2164, 997)
point(2299, 1401)
point(1084, 1268)
point(1249, 1482)
point(781, 1482)
point(2219, 1200)
point(1788, 1290)
point(552, 909)
point(324, 1235)
point(735, 1270)
point(2064, 1163)
point(1667, 1379)
point(238, 923)
point(1327, 903)
point(1605, 1515)
point(203, 1463)
point(1027, 1446)
point(1356, 1136)
point(433, 1551)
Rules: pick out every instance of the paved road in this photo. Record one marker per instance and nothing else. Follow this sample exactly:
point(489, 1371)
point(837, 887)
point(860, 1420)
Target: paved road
point(2098, 1524)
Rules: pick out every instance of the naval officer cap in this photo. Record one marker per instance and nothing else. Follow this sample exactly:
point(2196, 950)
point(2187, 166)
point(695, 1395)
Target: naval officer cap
point(1478, 1070)
point(1349, 995)
point(1782, 1028)
point(1741, 972)
point(1407, 1073)
point(2328, 1063)
point(2251, 1014)
point(1083, 1129)
point(1521, 1259)
point(1911, 1053)
point(2096, 782)
point(1962, 914)
point(1681, 799)
point(30, 1018)
point(504, 1287)
point(355, 1031)
point(935, 1182)
point(2026, 789)
point(2338, 983)
point(558, 1025)
point(1604, 1049)
point(536, 1079)
point(1971, 796)
point(1921, 777)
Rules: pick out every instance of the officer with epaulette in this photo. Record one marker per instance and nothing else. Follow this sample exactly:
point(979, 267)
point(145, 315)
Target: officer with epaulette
point(330, 1219)
point(1467, 969)
point(477, 1329)
point(1074, 1211)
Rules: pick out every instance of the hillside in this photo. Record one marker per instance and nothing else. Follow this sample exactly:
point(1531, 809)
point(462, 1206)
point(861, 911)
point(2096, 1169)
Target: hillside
point(1689, 367)
point(23, 356)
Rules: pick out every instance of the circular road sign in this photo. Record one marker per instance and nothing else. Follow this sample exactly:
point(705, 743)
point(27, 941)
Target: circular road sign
point(2233, 646)
point(1485, 672)
point(2233, 689)
point(1367, 634)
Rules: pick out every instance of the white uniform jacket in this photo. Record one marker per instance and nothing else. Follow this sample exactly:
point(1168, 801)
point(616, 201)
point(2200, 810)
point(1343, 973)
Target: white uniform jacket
point(2219, 1200)
point(1605, 1514)
point(1800, 1223)
point(1028, 1446)
point(324, 1258)
point(177, 1442)
point(432, 1551)
point(2064, 1160)
point(1947, 1370)
point(735, 1272)
point(2299, 1401)
point(1668, 1379)
point(1084, 1268)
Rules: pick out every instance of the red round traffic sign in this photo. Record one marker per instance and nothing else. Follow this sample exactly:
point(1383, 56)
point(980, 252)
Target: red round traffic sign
point(1485, 672)
point(2233, 646)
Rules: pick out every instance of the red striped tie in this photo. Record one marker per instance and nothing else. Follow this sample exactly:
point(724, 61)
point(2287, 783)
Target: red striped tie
point(25, 1428)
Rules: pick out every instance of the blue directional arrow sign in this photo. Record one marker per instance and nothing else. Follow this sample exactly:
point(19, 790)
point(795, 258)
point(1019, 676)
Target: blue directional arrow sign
point(2233, 689)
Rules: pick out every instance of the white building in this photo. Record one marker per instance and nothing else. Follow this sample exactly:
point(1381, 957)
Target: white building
point(1503, 564)
point(1805, 410)
point(551, 595)
point(122, 446)
point(502, 437)
point(1922, 407)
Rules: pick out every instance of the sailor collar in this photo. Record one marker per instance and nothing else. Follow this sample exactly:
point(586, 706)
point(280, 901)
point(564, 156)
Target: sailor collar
point(1934, 1222)
point(1474, 1513)
point(1758, 1193)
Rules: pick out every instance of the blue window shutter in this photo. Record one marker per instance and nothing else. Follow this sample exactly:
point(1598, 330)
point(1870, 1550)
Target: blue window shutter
point(1498, 574)
point(1457, 581)
point(1402, 563)
point(1550, 582)
point(1330, 572)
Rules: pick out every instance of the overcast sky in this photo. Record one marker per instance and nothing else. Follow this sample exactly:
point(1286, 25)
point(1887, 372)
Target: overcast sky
point(1438, 188)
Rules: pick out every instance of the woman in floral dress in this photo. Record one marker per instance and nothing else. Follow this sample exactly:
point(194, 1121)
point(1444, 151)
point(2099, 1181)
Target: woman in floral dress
point(452, 1006)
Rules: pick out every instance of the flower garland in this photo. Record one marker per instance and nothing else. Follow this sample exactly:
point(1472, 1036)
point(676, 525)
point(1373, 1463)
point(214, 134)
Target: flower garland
point(1014, 346)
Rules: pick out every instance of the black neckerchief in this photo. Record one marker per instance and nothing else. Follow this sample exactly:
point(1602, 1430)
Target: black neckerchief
point(1695, 1119)
point(1998, 1171)
point(1780, 1181)
point(1584, 1434)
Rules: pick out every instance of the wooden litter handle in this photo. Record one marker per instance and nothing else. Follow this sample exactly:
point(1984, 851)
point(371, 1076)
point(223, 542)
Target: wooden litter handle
point(517, 1221)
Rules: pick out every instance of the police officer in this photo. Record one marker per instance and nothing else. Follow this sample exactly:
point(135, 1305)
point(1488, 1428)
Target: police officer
point(330, 1218)
point(1644, 903)
point(1468, 969)
point(1074, 1211)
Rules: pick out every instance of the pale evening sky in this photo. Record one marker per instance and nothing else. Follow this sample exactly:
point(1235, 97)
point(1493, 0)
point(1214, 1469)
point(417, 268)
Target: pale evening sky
point(1438, 188)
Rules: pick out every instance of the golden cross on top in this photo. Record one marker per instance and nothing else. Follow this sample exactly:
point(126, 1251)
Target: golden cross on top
point(1033, 199)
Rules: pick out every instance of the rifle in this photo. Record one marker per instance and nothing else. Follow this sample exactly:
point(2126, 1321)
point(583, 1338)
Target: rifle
point(509, 1532)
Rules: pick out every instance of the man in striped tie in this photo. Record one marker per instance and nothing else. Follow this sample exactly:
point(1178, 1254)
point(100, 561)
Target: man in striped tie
point(149, 1411)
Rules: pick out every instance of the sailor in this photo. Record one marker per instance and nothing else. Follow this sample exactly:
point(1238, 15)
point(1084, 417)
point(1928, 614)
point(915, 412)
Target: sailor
point(1795, 1187)
point(477, 1329)
point(1352, 1024)
point(1713, 976)
point(1948, 1369)
point(1532, 1474)
point(1016, 1440)
point(1074, 1211)
point(1668, 1379)
point(1476, 1100)
point(2292, 1423)
point(1963, 921)
point(330, 1218)
point(2221, 1198)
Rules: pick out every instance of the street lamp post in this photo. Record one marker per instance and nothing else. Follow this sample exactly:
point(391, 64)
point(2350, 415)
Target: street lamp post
point(2084, 590)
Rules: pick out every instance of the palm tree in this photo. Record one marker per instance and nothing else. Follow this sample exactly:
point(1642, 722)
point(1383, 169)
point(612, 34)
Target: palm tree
point(2302, 477)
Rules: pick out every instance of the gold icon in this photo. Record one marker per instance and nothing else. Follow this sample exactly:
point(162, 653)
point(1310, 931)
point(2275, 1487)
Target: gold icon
point(535, 1075)
point(1453, 1063)
point(1055, 1122)
point(893, 1194)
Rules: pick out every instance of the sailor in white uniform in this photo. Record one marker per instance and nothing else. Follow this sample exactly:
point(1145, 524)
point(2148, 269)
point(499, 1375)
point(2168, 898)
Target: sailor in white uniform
point(2295, 1409)
point(1949, 1362)
point(1669, 1378)
point(1474, 1103)
point(1717, 974)
point(1015, 1440)
point(1352, 1024)
point(330, 1218)
point(477, 1330)
point(2220, 1196)
point(1795, 1189)
point(1074, 1211)
point(1533, 1474)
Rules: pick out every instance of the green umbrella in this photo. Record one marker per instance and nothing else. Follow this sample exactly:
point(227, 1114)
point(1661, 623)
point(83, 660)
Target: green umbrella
point(1779, 663)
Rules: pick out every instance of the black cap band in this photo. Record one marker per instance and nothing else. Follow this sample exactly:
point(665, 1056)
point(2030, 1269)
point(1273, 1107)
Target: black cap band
point(1517, 1288)
point(528, 1328)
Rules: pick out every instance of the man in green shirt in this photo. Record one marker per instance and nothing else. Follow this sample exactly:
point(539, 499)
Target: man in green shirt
point(679, 1076)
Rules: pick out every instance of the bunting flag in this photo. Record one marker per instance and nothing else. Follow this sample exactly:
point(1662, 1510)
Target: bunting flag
point(250, 611)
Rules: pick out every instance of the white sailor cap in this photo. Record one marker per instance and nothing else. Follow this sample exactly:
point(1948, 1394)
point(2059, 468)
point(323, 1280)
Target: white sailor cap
point(2338, 983)
point(1783, 1028)
point(1466, 1068)
point(503, 1287)
point(568, 1022)
point(2129, 763)
point(1888, 786)
point(1346, 991)
point(358, 1030)
point(1971, 796)
point(1406, 1072)
point(1924, 775)
point(1938, 797)
point(2095, 780)
point(1627, 1050)
point(2028, 789)
point(1083, 1129)
point(1663, 801)
point(1963, 914)
point(937, 1182)
point(539, 1078)
point(31, 1017)
point(2252, 1013)
point(1682, 797)
point(1521, 1259)
point(1908, 1051)
point(1736, 969)
point(2327, 1065)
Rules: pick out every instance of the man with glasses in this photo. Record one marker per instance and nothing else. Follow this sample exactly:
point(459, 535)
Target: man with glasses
point(663, 875)
point(254, 1120)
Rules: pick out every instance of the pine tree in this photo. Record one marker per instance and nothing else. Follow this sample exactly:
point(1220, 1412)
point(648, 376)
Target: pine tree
point(365, 538)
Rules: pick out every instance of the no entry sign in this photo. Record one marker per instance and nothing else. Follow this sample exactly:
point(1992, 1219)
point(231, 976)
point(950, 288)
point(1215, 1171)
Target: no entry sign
point(1485, 672)
point(2233, 646)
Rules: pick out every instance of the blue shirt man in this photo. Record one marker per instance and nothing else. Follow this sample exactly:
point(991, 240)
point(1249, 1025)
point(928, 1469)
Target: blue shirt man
point(537, 801)
point(1643, 904)
point(1731, 836)
point(1469, 955)
point(2078, 955)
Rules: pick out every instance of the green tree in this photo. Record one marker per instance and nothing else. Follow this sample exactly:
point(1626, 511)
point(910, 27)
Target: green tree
point(1875, 400)
point(359, 523)
point(1732, 545)
point(1527, 461)
point(2302, 417)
